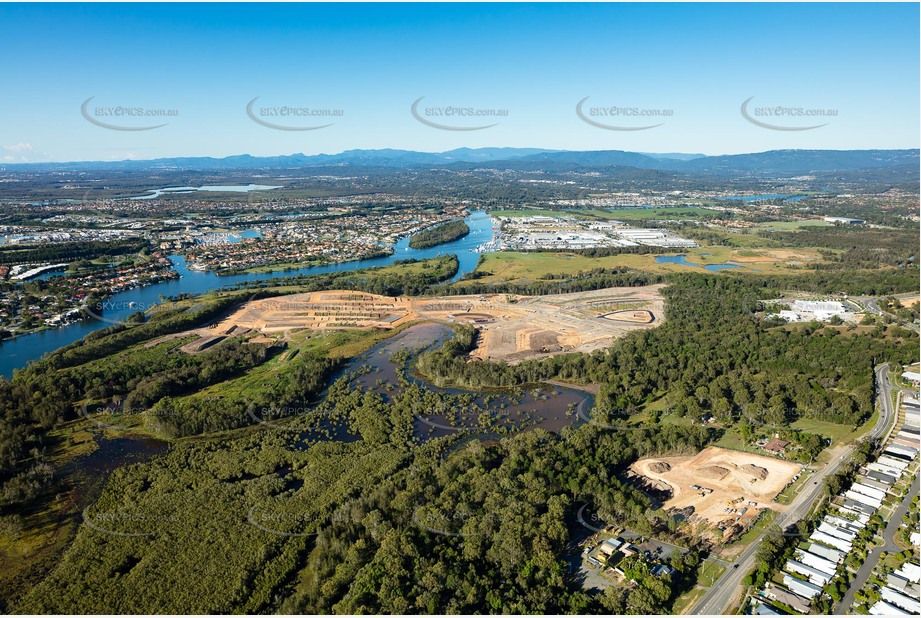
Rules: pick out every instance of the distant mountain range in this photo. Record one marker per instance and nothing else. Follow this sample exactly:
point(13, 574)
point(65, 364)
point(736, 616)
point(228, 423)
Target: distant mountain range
point(773, 162)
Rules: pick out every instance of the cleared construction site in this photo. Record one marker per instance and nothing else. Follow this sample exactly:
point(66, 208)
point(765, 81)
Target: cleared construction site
point(723, 488)
point(511, 327)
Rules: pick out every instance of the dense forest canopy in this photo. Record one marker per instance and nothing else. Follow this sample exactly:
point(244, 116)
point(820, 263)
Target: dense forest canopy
point(439, 234)
point(240, 516)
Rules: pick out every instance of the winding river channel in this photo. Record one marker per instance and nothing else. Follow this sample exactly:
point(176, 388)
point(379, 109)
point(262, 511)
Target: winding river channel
point(16, 353)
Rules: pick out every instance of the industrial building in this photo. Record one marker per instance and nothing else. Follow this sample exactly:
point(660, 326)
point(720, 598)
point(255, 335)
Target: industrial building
point(845, 220)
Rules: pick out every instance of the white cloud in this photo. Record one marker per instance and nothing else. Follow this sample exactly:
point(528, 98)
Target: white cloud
point(20, 147)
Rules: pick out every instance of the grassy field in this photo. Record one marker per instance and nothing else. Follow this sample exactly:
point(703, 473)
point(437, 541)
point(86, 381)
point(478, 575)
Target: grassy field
point(512, 266)
point(334, 344)
point(732, 439)
point(710, 571)
point(764, 521)
point(792, 226)
point(687, 600)
point(744, 239)
point(792, 490)
point(833, 431)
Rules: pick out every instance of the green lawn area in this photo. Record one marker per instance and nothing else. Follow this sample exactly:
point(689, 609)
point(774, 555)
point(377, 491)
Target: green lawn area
point(514, 266)
point(793, 226)
point(335, 344)
point(788, 494)
point(732, 439)
point(834, 431)
point(710, 571)
point(687, 600)
point(764, 521)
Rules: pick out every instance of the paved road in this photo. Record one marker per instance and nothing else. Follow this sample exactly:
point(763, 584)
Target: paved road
point(872, 305)
point(721, 595)
point(889, 545)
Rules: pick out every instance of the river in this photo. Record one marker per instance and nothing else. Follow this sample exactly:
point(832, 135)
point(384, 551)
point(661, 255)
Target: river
point(16, 353)
point(378, 370)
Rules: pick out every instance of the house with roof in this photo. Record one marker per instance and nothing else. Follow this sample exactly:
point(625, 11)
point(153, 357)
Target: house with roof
point(776, 446)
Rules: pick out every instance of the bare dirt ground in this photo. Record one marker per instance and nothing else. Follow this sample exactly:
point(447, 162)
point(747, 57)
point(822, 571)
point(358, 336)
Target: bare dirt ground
point(510, 327)
point(728, 475)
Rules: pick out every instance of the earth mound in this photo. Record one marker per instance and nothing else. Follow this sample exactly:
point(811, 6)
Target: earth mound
point(659, 467)
point(756, 472)
point(713, 472)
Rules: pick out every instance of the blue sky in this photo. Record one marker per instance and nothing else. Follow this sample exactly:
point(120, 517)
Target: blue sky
point(371, 62)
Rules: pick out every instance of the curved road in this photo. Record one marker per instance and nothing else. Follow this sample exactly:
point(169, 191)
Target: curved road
point(724, 591)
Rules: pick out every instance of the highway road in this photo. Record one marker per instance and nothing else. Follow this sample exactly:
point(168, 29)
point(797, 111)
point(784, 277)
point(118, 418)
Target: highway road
point(872, 305)
point(724, 591)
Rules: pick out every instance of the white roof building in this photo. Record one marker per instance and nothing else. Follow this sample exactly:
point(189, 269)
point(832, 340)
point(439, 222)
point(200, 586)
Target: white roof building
point(847, 524)
point(835, 555)
point(863, 499)
point(817, 562)
point(910, 571)
point(881, 608)
point(831, 307)
point(801, 587)
point(816, 576)
point(878, 467)
point(903, 451)
point(821, 537)
point(858, 516)
point(900, 600)
point(845, 535)
point(847, 220)
point(890, 462)
point(866, 490)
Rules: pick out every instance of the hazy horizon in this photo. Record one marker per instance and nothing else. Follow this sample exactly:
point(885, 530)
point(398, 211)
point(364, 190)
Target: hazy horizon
point(130, 82)
point(678, 156)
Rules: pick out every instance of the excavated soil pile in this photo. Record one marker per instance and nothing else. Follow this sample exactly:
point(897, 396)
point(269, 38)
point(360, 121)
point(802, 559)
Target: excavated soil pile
point(715, 473)
point(756, 472)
